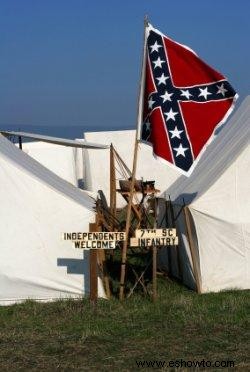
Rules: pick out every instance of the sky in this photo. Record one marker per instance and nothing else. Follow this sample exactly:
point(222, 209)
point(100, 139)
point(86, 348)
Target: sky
point(77, 63)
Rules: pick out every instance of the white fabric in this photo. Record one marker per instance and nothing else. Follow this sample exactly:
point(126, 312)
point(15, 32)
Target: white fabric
point(37, 206)
point(148, 168)
point(219, 201)
point(58, 159)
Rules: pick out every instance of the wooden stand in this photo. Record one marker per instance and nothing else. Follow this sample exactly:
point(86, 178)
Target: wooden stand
point(133, 208)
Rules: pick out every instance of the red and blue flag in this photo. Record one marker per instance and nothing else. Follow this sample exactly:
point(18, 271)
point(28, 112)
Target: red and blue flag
point(185, 101)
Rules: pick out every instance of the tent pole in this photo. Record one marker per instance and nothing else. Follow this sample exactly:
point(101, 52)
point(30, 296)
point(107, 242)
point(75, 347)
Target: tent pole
point(20, 142)
point(192, 249)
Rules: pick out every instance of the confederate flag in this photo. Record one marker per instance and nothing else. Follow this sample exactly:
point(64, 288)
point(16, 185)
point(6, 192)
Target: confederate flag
point(185, 100)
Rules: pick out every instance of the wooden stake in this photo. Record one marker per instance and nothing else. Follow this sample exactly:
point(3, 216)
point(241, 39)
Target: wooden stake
point(132, 185)
point(154, 274)
point(93, 276)
point(192, 249)
point(112, 185)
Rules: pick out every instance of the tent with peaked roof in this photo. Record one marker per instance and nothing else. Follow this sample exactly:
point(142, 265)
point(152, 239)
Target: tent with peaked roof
point(37, 206)
point(61, 160)
point(218, 196)
point(65, 161)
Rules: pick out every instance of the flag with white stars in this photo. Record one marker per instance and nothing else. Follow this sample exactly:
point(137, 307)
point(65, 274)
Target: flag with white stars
point(185, 101)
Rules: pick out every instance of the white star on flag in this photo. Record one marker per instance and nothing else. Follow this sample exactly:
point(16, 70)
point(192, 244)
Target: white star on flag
point(155, 47)
point(176, 133)
point(204, 92)
point(158, 62)
point(221, 89)
point(162, 79)
point(186, 93)
point(150, 103)
point(166, 96)
point(180, 150)
point(171, 114)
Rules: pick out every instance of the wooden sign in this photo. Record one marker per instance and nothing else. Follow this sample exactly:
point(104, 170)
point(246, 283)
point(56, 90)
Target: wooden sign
point(154, 237)
point(155, 233)
point(95, 240)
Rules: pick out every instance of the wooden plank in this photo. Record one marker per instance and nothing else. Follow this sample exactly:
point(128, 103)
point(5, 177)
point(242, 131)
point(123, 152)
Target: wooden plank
point(101, 257)
point(102, 264)
point(93, 276)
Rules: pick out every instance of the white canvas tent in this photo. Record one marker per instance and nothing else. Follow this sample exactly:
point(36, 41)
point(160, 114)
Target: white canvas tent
point(63, 156)
point(61, 160)
point(218, 195)
point(37, 206)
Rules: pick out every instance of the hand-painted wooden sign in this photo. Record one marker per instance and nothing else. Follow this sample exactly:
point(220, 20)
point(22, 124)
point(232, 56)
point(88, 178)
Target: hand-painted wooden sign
point(95, 240)
point(154, 237)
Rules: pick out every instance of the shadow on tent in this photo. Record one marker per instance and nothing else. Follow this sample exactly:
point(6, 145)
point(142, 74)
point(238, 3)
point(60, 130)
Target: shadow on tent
point(77, 266)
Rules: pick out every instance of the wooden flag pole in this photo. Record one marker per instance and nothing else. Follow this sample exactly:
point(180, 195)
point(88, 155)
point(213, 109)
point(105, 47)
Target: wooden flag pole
point(112, 185)
point(132, 184)
point(128, 222)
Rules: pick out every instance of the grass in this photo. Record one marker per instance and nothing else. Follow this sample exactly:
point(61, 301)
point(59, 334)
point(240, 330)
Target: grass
point(70, 335)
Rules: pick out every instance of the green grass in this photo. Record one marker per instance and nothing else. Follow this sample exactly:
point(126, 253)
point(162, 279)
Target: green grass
point(70, 335)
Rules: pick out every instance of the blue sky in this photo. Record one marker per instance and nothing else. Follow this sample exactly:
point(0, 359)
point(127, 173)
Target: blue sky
point(78, 62)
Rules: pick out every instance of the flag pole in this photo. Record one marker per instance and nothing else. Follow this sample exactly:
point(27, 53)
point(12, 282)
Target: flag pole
point(132, 183)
